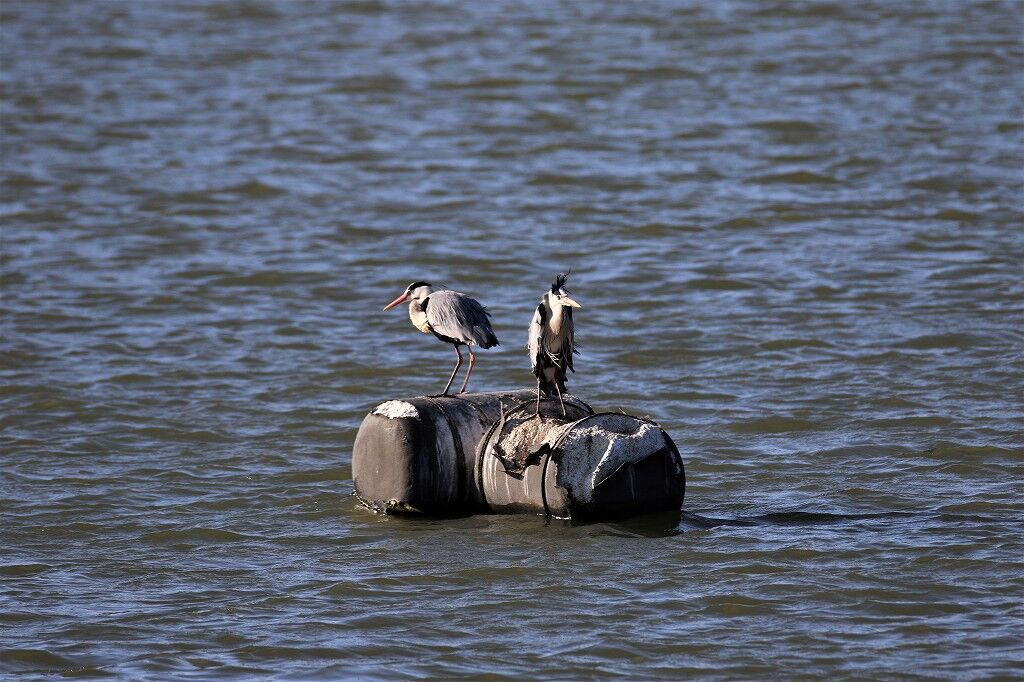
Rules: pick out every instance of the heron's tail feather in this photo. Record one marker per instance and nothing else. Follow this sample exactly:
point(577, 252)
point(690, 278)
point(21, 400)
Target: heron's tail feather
point(485, 337)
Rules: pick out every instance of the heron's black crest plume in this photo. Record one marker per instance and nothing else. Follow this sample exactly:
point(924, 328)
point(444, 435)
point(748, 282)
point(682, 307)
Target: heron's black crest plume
point(559, 282)
point(417, 285)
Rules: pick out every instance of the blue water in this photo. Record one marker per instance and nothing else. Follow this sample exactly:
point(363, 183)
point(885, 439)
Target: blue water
point(795, 229)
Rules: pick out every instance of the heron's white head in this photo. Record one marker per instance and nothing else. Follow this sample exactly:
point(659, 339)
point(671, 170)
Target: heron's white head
point(417, 291)
point(558, 296)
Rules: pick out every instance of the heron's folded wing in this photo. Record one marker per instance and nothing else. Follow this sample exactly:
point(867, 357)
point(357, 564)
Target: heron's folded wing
point(535, 335)
point(568, 339)
point(460, 317)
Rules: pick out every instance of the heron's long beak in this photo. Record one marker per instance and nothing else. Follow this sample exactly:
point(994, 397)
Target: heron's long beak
point(565, 300)
point(398, 300)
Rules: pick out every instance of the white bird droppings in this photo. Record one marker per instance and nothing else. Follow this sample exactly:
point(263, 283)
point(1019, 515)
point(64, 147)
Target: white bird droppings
point(592, 453)
point(397, 409)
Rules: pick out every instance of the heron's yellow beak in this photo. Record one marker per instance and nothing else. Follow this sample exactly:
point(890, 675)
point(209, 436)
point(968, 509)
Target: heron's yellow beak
point(398, 300)
point(565, 300)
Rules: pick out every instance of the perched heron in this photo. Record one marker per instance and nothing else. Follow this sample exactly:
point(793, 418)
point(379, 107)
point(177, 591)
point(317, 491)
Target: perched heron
point(452, 317)
point(551, 341)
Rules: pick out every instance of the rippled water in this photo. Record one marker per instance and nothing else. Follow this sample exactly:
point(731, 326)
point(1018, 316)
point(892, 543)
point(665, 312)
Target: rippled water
point(796, 233)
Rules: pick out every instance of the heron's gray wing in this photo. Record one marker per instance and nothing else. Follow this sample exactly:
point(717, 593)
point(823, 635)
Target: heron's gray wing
point(460, 317)
point(535, 337)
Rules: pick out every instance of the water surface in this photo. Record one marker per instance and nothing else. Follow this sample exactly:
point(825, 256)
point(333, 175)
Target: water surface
point(795, 229)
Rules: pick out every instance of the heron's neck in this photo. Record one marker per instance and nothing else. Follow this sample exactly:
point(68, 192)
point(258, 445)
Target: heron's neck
point(555, 319)
point(418, 317)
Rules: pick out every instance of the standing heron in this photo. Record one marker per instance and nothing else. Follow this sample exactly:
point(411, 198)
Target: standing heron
point(551, 341)
point(453, 318)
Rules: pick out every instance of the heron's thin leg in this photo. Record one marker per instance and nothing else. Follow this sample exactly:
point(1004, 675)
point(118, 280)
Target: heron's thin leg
point(452, 377)
point(538, 395)
point(560, 398)
point(472, 359)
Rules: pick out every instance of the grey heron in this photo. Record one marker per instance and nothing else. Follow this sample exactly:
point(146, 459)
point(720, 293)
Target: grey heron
point(453, 318)
point(551, 341)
